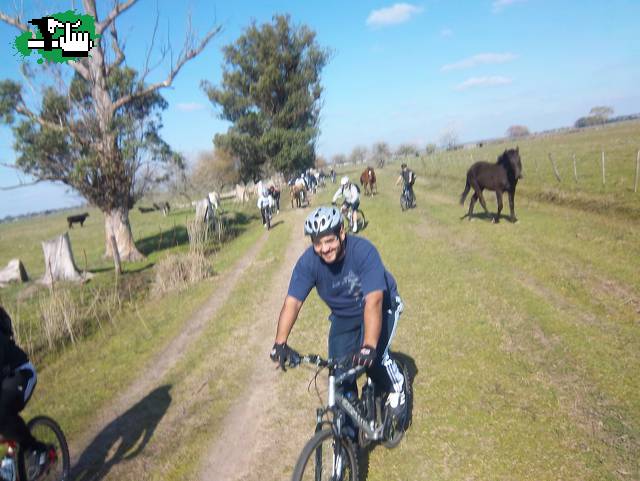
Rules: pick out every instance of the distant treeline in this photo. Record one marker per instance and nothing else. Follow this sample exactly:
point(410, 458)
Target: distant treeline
point(12, 218)
point(591, 120)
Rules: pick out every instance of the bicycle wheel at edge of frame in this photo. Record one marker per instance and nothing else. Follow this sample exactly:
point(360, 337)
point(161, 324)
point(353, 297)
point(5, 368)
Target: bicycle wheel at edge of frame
point(62, 449)
point(309, 452)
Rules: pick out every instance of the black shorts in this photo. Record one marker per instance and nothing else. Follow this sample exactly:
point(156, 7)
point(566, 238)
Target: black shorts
point(350, 205)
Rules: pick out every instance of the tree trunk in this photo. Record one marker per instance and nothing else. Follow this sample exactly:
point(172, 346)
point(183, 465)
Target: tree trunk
point(116, 223)
point(59, 264)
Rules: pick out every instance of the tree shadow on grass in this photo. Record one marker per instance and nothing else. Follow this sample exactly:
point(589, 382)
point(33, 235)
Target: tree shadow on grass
point(175, 236)
point(124, 438)
point(234, 224)
point(411, 371)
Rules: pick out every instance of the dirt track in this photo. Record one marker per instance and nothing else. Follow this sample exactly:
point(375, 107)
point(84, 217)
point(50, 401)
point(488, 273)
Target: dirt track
point(88, 452)
point(231, 456)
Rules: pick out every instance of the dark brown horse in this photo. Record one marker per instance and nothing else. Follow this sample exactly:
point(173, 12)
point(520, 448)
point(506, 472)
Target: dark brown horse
point(499, 177)
point(368, 181)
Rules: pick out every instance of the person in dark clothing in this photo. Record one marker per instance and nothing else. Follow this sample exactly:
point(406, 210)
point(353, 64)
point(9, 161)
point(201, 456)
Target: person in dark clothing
point(408, 178)
point(17, 381)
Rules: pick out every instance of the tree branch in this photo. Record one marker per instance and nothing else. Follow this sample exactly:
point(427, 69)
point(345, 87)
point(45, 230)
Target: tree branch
point(115, 44)
point(15, 21)
point(20, 185)
point(185, 56)
point(117, 10)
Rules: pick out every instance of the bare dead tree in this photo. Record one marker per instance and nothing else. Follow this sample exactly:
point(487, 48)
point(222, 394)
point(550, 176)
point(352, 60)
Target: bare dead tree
point(109, 178)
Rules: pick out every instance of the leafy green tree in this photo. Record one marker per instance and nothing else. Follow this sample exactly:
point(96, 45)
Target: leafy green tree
point(339, 159)
point(380, 153)
point(602, 112)
point(271, 94)
point(407, 150)
point(358, 155)
point(517, 131)
point(96, 127)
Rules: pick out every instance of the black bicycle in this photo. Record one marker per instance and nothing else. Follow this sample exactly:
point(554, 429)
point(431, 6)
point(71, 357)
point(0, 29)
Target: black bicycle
point(347, 214)
point(331, 454)
point(406, 199)
point(267, 214)
point(17, 465)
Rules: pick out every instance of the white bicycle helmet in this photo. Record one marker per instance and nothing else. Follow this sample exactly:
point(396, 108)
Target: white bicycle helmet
point(344, 180)
point(322, 220)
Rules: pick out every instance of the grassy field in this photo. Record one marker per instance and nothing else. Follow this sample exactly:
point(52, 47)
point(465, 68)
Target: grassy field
point(524, 338)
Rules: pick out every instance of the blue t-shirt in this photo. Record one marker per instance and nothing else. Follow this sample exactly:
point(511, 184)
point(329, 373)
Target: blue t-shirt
point(343, 285)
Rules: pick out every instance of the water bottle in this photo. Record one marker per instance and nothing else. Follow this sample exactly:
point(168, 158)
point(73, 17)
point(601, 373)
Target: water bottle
point(8, 469)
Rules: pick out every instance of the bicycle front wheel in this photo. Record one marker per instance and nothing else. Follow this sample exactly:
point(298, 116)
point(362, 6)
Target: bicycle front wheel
point(326, 458)
point(47, 431)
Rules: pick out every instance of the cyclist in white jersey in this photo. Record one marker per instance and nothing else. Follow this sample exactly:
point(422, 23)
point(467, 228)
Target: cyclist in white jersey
point(351, 195)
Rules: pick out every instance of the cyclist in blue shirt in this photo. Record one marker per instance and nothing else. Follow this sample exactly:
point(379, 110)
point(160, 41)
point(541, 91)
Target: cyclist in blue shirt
point(351, 279)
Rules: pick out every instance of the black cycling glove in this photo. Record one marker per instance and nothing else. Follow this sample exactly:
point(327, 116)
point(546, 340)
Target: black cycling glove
point(283, 354)
point(365, 356)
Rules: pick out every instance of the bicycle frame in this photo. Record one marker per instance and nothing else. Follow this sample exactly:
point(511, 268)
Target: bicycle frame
point(335, 400)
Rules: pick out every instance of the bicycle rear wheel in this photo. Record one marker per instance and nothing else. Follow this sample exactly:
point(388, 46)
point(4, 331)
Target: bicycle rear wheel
point(325, 458)
point(47, 431)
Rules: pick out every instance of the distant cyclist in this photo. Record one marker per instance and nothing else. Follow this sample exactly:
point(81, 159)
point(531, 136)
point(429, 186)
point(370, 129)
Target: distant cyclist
point(18, 379)
point(275, 194)
point(408, 178)
point(351, 194)
point(265, 201)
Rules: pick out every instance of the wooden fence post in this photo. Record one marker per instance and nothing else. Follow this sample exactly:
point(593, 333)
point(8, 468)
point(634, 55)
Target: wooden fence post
point(635, 184)
point(116, 255)
point(575, 169)
point(603, 170)
point(555, 170)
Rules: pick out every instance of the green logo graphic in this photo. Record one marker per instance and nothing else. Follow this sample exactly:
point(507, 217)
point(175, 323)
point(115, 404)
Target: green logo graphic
point(59, 38)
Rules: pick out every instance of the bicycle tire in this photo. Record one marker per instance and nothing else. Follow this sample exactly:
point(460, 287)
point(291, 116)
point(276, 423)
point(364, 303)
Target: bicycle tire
point(307, 467)
point(48, 431)
point(361, 220)
point(394, 429)
point(404, 204)
point(268, 216)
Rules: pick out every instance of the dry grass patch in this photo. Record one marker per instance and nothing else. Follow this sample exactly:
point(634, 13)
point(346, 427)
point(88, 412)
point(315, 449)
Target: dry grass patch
point(178, 271)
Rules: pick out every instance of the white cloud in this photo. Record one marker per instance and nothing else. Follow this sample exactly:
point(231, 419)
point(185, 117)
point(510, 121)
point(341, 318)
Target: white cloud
point(446, 33)
point(190, 106)
point(480, 59)
point(483, 82)
point(397, 13)
point(499, 5)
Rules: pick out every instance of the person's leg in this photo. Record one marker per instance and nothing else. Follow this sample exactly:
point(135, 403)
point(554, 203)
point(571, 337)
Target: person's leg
point(385, 371)
point(13, 396)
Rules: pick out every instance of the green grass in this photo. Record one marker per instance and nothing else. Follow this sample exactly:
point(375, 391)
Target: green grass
point(525, 336)
point(155, 235)
point(71, 385)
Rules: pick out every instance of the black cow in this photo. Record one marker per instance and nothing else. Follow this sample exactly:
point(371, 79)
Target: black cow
point(75, 219)
point(499, 177)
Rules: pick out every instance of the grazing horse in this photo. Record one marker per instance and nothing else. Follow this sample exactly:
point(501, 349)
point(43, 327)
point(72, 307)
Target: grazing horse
point(368, 181)
point(297, 193)
point(499, 177)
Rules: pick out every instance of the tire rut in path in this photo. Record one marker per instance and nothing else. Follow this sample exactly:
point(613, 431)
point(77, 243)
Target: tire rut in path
point(240, 441)
point(150, 377)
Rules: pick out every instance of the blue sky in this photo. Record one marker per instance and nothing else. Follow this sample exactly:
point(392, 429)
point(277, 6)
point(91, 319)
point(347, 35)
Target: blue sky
point(399, 72)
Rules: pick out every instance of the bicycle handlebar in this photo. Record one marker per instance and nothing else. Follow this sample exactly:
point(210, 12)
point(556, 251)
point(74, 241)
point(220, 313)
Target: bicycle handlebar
point(317, 360)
